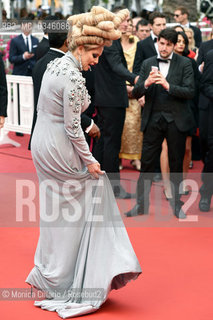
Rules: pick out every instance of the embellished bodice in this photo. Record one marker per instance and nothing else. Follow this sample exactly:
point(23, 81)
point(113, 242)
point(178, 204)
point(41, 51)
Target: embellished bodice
point(69, 67)
point(63, 92)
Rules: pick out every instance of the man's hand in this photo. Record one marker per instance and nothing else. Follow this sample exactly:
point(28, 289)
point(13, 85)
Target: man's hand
point(136, 79)
point(2, 119)
point(142, 101)
point(94, 169)
point(201, 67)
point(151, 79)
point(28, 55)
point(159, 79)
point(129, 91)
point(94, 131)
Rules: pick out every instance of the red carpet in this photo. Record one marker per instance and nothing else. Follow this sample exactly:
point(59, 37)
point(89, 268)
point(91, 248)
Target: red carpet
point(176, 257)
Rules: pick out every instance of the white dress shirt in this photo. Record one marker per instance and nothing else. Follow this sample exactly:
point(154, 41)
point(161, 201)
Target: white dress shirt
point(164, 67)
point(29, 41)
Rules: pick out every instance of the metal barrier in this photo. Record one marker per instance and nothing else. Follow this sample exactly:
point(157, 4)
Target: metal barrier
point(19, 109)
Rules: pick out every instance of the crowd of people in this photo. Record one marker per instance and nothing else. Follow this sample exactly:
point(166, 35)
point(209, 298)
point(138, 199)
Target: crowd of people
point(112, 88)
point(112, 123)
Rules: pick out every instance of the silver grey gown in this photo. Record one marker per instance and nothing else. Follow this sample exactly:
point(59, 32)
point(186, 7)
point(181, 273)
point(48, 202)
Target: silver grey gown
point(83, 250)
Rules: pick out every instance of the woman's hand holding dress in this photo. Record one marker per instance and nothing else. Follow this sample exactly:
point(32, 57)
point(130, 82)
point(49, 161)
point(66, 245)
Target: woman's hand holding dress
point(94, 169)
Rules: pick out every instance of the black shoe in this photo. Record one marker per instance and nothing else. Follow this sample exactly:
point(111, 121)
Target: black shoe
point(120, 193)
point(135, 211)
point(19, 134)
point(179, 213)
point(204, 204)
point(157, 177)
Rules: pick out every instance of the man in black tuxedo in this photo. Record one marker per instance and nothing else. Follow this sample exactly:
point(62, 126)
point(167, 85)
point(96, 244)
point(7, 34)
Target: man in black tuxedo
point(22, 50)
point(147, 48)
point(206, 131)
point(3, 93)
point(181, 16)
point(58, 47)
point(204, 101)
point(166, 114)
point(111, 100)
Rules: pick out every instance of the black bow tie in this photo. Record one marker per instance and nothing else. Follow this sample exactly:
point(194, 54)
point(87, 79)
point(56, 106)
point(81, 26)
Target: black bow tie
point(163, 60)
point(155, 40)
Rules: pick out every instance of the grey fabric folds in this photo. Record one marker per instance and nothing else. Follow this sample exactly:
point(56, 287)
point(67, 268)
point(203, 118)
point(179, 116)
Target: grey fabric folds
point(83, 250)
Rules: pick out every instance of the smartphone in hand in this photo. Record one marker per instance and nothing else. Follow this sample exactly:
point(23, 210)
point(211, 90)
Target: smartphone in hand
point(154, 69)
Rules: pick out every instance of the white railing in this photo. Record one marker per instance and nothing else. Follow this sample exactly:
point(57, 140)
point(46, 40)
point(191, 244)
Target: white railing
point(19, 109)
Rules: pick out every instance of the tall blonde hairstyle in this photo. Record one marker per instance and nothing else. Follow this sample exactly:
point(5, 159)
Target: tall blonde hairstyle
point(96, 28)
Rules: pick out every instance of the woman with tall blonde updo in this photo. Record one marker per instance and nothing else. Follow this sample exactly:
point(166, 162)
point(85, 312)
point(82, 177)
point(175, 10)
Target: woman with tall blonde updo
point(83, 250)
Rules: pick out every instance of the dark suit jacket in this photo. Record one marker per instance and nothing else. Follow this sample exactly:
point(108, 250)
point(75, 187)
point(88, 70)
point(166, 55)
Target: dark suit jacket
point(3, 90)
point(111, 74)
point(17, 48)
point(181, 80)
point(195, 100)
point(42, 48)
point(37, 76)
point(206, 83)
point(197, 35)
point(145, 49)
point(204, 48)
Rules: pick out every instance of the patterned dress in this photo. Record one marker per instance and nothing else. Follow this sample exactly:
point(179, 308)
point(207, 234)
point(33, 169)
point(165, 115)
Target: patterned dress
point(83, 250)
point(131, 141)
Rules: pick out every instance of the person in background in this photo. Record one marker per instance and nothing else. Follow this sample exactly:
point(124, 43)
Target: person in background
point(23, 49)
point(22, 53)
point(3, 93)
point(181, 48)
point(111, 101)
point(4, 15)
point(206, 132)
point(148, 48)
point(205, 47)
point(142, 29)
point(23, 13)
point(181, 16)
point(131, 140)
point(166, 114)
point(193, 51)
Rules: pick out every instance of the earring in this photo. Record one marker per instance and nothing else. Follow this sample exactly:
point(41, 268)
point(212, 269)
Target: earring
point(80, 62)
